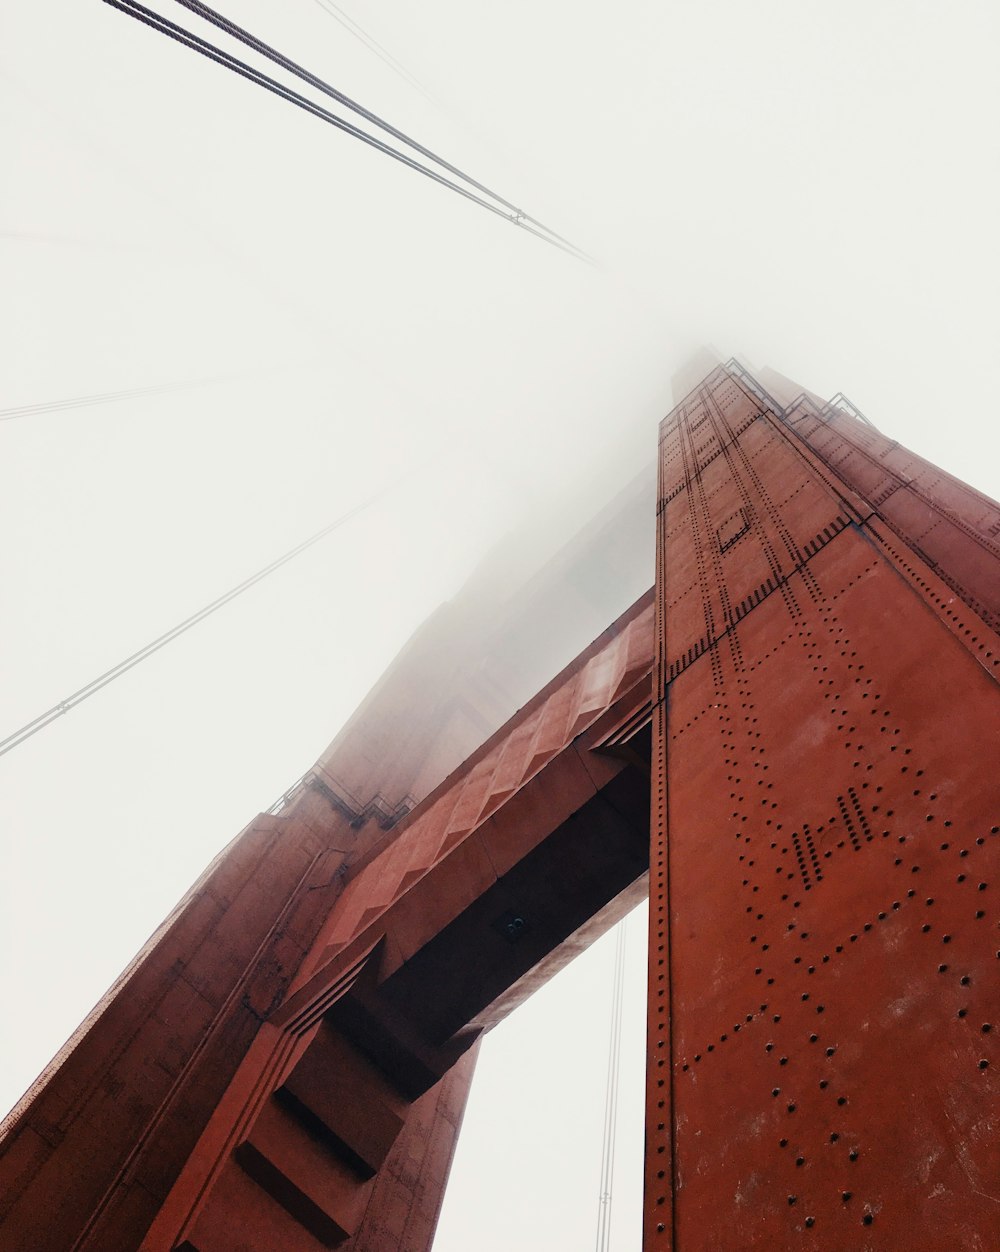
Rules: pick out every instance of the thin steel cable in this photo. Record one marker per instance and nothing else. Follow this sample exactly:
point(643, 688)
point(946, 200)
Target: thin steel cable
point(213, 53)
point(105, 397)
point(272, 54)
point(373, 45)
point(18, 411)
point(352, 27)
point(251, 41)
point(58, 710)
point(165, 27)
point(603, 1242)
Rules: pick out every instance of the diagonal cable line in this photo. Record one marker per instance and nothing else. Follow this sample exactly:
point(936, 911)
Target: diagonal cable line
point(17, 411)
point(244, 36)
point(372, 44)
point(251, 41)
point(106, 397)
point(213, 53)
point(603, 1241)
point(165, 27)
point(58, 710)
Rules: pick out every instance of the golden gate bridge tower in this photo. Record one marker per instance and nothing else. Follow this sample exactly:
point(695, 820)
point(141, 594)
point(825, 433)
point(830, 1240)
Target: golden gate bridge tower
point(789, 740)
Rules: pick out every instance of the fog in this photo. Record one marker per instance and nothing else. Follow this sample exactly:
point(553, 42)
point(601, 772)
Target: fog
point(812, 189)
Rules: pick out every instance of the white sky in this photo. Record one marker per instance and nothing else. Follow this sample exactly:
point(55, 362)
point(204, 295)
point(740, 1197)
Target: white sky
point(813, 187)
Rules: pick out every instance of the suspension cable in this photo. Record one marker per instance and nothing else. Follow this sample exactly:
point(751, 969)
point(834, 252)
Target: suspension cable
point(95, 685)
point(603, 1242)
point(372, 44)
point(265, 50)
point(107, 397)
point(165, 27)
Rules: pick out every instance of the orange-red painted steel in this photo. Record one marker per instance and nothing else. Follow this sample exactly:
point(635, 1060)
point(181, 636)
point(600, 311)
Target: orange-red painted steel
point(824, 881)
point(797, 735)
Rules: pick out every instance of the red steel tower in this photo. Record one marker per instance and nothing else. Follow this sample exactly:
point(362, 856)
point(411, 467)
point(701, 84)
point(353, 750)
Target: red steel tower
point(793, 734)
point(824, 952)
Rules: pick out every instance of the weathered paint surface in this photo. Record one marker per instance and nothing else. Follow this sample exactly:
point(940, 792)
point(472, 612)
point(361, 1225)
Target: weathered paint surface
point(824, 876)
